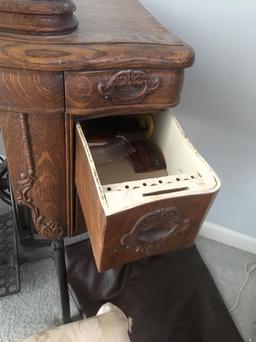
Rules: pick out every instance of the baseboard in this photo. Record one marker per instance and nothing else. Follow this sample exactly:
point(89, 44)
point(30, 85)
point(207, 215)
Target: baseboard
point(228, 237)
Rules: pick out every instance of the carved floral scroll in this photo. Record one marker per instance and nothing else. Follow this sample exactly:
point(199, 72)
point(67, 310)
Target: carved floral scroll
point(128, 86)
point(48, 227)
point(154, 229)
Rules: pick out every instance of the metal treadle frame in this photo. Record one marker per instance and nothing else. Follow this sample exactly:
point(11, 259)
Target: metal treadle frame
point(17, 243)
point(9, 268)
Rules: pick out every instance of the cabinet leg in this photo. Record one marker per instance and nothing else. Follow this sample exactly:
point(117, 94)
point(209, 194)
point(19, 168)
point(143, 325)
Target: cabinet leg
point(59, 256)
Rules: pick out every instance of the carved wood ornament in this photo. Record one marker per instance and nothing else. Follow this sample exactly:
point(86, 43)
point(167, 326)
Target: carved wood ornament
point(47, 227)
point(153, 229)
point(128, 86)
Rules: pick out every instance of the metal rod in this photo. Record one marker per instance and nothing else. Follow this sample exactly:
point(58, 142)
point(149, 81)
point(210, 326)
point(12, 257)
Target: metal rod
point(59, 256)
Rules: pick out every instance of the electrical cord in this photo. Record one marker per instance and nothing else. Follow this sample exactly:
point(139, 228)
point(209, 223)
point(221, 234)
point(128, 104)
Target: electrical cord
point(249, 269)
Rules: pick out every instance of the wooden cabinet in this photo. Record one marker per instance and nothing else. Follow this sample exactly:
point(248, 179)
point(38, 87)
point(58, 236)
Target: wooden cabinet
point(53, 78)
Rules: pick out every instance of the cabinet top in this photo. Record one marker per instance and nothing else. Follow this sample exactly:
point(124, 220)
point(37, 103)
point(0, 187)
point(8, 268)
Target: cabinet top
point(111, 33)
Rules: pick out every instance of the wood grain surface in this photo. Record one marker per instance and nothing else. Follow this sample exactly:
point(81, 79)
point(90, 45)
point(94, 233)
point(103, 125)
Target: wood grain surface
point(110, 21)
point(38, 7)
point(89, 199)
point(36, 24)
point(70, 177)
point(31, 91)
point(92, 56)
point(113, 253)
point(33, 17)
point(42, 150)
point(83, 96)
point(110, 34)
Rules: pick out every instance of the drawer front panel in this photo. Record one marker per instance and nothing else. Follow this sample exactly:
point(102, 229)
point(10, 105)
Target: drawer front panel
point(128, 90)
point(153, 229)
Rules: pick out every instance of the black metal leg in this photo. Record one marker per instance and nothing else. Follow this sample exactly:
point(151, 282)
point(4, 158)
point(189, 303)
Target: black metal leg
point(59, 255)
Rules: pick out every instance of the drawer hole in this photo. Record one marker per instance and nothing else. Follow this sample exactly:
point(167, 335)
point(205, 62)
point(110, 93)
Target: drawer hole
point(168, 191)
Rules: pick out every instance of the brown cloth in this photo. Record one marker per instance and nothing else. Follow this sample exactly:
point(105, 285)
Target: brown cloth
point(171, 297)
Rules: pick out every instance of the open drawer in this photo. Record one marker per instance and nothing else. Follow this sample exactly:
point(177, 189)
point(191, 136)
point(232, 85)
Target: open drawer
point(129, 215)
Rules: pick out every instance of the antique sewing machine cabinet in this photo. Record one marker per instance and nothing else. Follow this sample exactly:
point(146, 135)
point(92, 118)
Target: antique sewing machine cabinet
point(58, 70)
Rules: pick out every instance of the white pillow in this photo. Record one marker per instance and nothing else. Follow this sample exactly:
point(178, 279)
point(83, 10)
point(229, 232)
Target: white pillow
point(109, 325)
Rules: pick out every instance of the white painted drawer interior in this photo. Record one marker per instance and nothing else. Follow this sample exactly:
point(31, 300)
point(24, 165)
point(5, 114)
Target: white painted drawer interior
point(120, 188)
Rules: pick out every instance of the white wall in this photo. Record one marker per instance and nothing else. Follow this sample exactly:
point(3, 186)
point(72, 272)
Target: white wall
point(218, 106)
